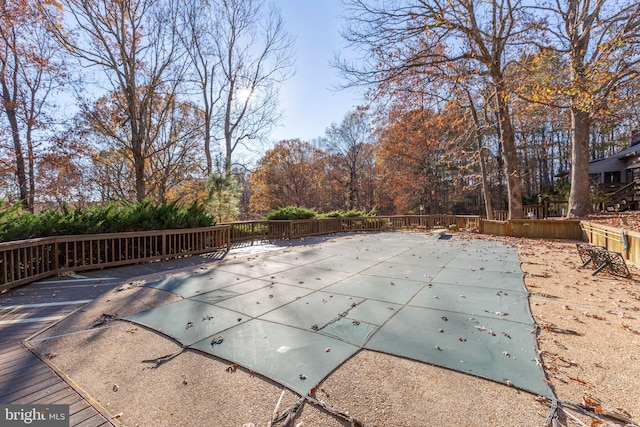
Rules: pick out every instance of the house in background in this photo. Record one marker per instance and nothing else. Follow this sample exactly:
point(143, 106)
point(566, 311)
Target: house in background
point(617, 178)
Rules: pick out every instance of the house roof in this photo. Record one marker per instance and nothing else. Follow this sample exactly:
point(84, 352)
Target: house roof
point(623, 155)
point(616, 163)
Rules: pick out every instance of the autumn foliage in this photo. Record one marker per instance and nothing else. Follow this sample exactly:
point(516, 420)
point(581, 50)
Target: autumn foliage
point(291, 173)
point(468, 107)
point(418, 160)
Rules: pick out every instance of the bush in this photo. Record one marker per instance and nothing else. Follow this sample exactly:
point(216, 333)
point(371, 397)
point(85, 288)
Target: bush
point(17, 224)
point(351, 213)
point(295, 212)
point(291, 213)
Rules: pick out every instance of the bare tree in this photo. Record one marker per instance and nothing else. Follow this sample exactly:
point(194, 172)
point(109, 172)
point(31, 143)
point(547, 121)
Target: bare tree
point(424, 36)
point(255, 55)
point(200, 23)
point(239, 52)
point(175, 171)
point(134, 43)
point(479, 129)
point(174, 167)
point(29, 71)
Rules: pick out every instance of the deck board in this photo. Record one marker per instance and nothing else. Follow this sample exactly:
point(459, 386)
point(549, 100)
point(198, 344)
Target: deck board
point(16, 357)
point(37, 396)
point(94, 422)
point(19, 369)
point(24, 378)
point(11, 352)
point(34, 385)
point(12, 334)
point(52, 396)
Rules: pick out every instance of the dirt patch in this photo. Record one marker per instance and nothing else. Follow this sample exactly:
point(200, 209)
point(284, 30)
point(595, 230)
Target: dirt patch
point(590, 335)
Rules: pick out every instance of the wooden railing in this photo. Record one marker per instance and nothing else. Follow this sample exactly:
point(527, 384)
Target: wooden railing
point(619, 198)
point(530, 211)
point(248, 231)
point(27, 261)
point(433, 221)
point(30, 260)
point(549, 209)
point(254, 231)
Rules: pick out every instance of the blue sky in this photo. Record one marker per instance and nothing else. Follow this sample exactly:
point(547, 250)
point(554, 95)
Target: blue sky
point(308, 100)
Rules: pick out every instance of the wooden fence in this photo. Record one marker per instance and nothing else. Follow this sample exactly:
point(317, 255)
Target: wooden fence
point(625, 242)
point(535, 211)
point(253, 231)
point(30, 260)
point(533, 228)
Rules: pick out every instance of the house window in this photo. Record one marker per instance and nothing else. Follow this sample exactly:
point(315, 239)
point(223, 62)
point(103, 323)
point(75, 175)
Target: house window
point(611, 177)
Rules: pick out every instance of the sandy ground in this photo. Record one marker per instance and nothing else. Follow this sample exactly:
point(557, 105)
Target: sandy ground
point(589, 346)
point(595, 362)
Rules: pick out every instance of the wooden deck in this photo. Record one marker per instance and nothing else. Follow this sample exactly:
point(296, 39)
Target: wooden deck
point(24, 311)
point(28, 309)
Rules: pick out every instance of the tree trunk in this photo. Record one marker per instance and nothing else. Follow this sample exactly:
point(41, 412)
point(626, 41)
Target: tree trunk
point(353, 186)
point(499, 192)
point(486, 192)
point(208, 119)
point(17, 146)
point(136, 112)
point(32, 172)
point(514, 187)
point(228, 127)
point(140, 187)
point(580, 194)
point(207, 144)
point(138, 166)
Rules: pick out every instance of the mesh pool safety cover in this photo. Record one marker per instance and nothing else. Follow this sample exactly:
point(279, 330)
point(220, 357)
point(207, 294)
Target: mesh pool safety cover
point(296, 316)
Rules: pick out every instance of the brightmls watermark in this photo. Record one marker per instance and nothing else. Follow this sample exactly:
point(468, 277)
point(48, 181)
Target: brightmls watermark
point(34, 415)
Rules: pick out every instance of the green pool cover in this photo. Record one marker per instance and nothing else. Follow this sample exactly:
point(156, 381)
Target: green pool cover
point(296, 316)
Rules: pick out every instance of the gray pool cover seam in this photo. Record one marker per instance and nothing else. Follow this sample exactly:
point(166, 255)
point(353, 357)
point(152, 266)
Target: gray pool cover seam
point(476, 321)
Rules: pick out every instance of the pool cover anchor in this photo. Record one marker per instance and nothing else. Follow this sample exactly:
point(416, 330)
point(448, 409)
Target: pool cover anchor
point(287, 417)
point(589, 409)
point(104, 319)
point(553, 328)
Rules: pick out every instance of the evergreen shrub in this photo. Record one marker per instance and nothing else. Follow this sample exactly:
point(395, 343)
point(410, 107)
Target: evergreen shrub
point(291, 213)
point(296, 212)
point(17, 224)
